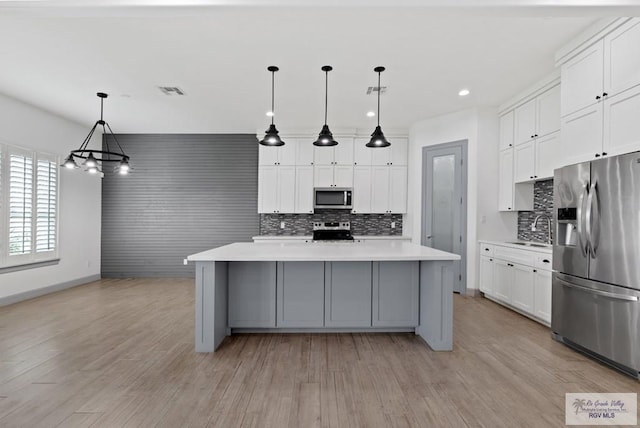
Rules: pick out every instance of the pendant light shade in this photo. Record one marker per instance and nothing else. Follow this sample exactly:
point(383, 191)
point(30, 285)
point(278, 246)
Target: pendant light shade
point(377, 138)
point(325, 138)
point(271, 137)
point(94, 159)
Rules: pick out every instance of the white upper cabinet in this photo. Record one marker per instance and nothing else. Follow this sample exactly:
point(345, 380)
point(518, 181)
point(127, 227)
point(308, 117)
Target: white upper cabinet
point(333, 176)
point(304, 190)
point(524, 162)
point(506, 130)
point(362, 155)
point(278, 155)
point(380, 189)
point(304, 152)
point(582, 135)
point(621, 127)
point(268, 155)
point(548, 112)
point(505, 180)
point(361, 189)
point(525, 122)
point(398, 189)
point(276, 192)
point(323, 176)
point(395, 154)
point(547, 155)
point(582, 79)
point(342, 154)
point(622, 60)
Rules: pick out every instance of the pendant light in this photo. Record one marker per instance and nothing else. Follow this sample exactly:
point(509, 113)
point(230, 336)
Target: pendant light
point(377, 138)
point(271, 137)
point(95, 159)
point(325, 138)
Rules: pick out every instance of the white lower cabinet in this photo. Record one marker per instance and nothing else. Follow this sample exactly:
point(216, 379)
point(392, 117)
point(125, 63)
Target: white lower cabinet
point(276, 193)
point(542, 295)
point(513, 277)
point(361, 189)
point(304, 190)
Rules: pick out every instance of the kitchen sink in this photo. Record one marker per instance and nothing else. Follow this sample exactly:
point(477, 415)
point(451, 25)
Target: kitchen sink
point(530, 244)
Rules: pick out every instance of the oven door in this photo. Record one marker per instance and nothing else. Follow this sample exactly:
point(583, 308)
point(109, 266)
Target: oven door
point(332, 198)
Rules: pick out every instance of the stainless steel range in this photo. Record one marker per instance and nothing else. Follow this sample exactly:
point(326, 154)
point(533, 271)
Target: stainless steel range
point(596, 260)
point(332, 232)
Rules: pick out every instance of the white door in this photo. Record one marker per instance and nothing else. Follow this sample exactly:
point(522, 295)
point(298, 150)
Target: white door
point(268, 189)
point(379, 189)
point(502, 279)
point(286, 189)
point(582, 79)
point(304, 152)
point(522, 287)
point(506, 130)
point(287, 153)
point(267, 155)
point(361, 189)
point(399, 147)
point(380, 156)
point(343, 176)
point(304, 190)
point(547, 155)
point(505, 180)
point(582, 135)
point(486, 275)
point(525, 122)
point(398, 189)
point(323, 175)
point(622, 61)
point(622, 123)
point(323, 155)
point(542, 295)
point(548, 111)
point(343, 152)
point(524, 162)
point(362, 154)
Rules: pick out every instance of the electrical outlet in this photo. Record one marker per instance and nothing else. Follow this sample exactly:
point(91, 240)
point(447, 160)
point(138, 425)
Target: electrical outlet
point(393, 225)
point(282, 225)
point(185, 262)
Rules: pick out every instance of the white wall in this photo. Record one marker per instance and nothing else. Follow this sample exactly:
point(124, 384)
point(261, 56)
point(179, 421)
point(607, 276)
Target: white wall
point(480, 128)
point(80, 197)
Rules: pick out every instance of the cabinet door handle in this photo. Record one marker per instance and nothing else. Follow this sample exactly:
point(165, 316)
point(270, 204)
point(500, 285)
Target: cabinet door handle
point(534, 271)
point(531, 176)
point(597, 97)
point(509, 264)
point(546, 261)
point(486, 249)
point(597, 155)
point(604, 153)
point(510, 145)
point(604, 94)
point(509, 208)
point(490, 260)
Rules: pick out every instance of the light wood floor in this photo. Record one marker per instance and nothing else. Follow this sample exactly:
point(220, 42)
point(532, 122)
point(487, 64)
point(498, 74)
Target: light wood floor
point(121, 353)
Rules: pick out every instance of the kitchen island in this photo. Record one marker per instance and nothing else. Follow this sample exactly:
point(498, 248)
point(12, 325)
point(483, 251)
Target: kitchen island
point(324, 287)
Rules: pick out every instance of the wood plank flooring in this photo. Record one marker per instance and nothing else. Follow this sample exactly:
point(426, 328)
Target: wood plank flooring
point(120, 353)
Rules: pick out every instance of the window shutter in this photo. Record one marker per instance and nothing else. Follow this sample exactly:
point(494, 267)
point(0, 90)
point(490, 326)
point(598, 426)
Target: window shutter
point(20, 204)
point(46, 205)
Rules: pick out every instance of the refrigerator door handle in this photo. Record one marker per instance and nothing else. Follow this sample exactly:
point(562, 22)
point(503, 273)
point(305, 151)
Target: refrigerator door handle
point(599, 292)
point(581, 217)
point(588, 219)
point(594, 236)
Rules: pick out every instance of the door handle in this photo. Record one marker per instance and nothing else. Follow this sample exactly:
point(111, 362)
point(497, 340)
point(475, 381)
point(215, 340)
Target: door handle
point(429, 237)
point(594, 236)
point(599, 292)
point(581, 231)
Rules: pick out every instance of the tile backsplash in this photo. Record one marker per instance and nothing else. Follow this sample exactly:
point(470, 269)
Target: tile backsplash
point(302, 224)
point(542, 204)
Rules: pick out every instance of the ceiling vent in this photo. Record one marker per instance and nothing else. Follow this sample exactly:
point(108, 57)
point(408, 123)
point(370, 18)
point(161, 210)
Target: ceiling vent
point(374, 89)
point(171, 90)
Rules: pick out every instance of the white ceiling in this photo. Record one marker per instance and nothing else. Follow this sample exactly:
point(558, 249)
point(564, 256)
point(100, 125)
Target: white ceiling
point(59, 57)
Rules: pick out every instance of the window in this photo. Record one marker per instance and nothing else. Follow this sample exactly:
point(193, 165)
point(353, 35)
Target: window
point(28, 206)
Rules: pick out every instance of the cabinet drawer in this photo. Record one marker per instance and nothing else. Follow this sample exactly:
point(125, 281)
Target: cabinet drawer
point(543, 261)
point(515, 255)
point(486, 249)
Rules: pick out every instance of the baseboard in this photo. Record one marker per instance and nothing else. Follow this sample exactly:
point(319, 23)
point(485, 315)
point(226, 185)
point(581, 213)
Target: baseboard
point(473, 292)
point(26, 295)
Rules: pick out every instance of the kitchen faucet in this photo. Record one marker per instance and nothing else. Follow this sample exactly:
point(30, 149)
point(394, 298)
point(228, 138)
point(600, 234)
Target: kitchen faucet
point(535, 222)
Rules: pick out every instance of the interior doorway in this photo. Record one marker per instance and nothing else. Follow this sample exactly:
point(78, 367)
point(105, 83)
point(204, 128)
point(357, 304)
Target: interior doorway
point(444, 204)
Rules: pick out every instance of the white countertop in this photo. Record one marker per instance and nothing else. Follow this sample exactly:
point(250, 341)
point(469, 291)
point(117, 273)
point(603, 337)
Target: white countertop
point(363, 251)
point(539, 247)
point(303, 237)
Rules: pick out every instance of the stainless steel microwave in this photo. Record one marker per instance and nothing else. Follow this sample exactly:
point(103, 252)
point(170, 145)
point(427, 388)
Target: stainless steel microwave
point(332, 197)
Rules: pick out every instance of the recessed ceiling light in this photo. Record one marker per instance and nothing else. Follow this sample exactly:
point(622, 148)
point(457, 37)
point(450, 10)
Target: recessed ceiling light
point(463, 92)
point(270, 113)
point(371, 113)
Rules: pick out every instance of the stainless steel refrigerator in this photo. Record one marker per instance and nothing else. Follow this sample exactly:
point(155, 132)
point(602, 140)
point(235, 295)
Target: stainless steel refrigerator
point(596, 260)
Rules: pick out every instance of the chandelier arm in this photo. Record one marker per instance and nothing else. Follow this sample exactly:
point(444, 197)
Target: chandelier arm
point(105, 139)
point(116, 140)
point(84, 144)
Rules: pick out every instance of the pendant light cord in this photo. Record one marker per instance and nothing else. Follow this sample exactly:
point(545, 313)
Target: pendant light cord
point(378, 98)
point(273, 113)
point(101, 108)
point(326, 95)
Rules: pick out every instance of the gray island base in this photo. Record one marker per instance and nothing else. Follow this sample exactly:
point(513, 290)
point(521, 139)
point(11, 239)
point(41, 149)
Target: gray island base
point(363, 287)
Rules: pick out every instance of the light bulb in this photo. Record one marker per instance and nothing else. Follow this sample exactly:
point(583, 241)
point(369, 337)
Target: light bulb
point(464, 92)
point(92, 170)
point(371, 114)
